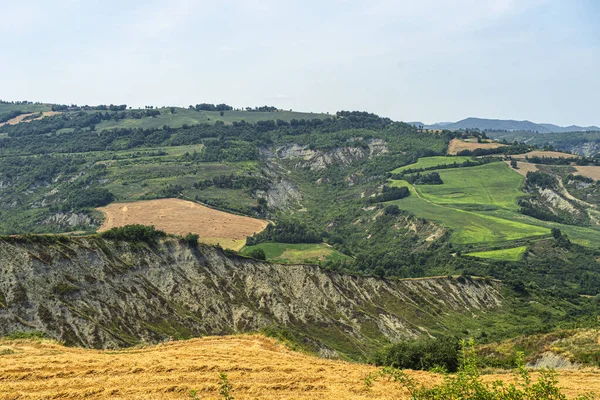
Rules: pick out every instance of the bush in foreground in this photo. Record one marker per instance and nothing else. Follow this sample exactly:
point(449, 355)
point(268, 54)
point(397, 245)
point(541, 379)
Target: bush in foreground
point(467, 383)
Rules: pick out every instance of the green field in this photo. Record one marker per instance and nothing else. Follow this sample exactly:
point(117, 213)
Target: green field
point(514, 254)
point(430, 162)
point(442, 203)
point(489, 185)
point(297, 253)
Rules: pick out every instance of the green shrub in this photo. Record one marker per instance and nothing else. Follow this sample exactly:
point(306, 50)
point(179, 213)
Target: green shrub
point(192, 239)
point(258, 254)
point(26, 335)
point(467, 383)
point(134, 233)
point(423, 354)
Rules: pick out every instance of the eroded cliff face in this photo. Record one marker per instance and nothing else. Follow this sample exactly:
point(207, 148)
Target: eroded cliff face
point(98, 293)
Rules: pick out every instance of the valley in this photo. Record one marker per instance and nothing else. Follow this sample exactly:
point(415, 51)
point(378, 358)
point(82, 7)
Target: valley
point(338, 235)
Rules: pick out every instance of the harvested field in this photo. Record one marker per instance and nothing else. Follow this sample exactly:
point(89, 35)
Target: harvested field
point(523, 167)
point(21, 117)
point(181, 217)
point(457, 145)
point(551, 154)
point(256, 367)
point(591, 171)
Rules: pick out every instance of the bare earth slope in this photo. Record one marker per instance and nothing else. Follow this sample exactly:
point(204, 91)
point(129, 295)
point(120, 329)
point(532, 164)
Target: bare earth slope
point(257, 368)
point(98, 293)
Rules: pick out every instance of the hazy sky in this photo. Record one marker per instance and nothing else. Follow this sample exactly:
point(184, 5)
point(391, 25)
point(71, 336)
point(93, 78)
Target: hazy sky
point(426, 60)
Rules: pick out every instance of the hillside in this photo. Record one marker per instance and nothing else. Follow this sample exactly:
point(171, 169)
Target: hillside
point(372, 203)
point(256, 368)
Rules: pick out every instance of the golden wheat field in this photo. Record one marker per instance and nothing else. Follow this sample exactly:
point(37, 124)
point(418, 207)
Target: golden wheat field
point(257, 368)
point(181, 217)
point(457, 145)
point(523, 167)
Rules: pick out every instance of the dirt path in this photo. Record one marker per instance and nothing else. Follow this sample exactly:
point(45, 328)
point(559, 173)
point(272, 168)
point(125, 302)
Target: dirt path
point(21, 117)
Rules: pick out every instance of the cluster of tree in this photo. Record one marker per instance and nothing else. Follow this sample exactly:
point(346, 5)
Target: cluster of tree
point(540, 179)
point(87, 198)
point(578, 178)
point(551, 160)
point(211, 107)
point(286, 231)
point(421, 354)
point(389, 193)
point(262, 109)
point(529, 207)
point(75, 107)
point(432, 178)
point(232, 181)
point(134, 233)
point(258, 254)
point(24, 102)
point(587, 161)
point(515, 148)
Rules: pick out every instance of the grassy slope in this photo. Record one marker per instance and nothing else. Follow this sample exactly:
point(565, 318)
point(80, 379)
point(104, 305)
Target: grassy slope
point(491, 185)
point(297, 253)
point(24, 107)
point(468, 227)
point(480, 205)
point(192, 117)
point(429, 162)
point(514, 254)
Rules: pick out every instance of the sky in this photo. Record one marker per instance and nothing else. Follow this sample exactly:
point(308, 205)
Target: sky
point(427, 60)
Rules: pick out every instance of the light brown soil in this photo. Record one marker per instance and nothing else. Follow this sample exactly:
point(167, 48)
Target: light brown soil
point(524, 167)
point(21, 117)
point(551, 154)
point(457, 145)
point(591, 171)
point(256, 367)
point(181, 217)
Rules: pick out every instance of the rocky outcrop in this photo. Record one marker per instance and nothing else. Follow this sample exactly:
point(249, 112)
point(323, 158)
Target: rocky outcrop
point(97, 293)
point(317, 160)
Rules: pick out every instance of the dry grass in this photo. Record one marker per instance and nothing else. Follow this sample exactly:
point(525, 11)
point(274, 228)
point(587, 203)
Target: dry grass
point(21, 117)
point(523, 167)
point(257, 367)
point(181, 217)
point(591, 171)
point(551, 154)
point(457, 145)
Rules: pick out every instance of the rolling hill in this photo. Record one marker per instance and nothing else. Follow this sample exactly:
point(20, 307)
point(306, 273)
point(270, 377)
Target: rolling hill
point(485, 124)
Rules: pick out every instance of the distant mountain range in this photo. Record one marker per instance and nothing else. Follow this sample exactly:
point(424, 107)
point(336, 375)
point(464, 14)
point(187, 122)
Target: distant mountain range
point(504, 124)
